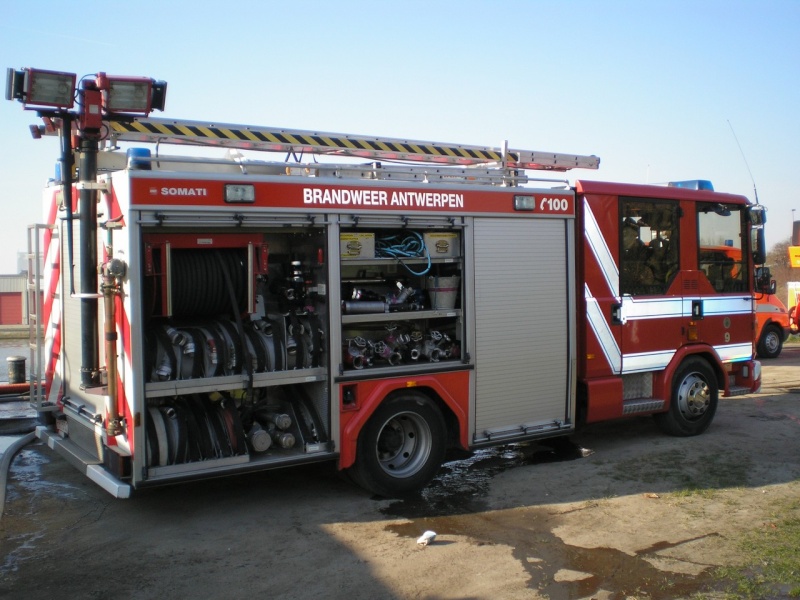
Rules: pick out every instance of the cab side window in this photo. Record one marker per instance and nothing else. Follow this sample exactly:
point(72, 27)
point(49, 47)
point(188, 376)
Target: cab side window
point(649, 249)
point(720, 247)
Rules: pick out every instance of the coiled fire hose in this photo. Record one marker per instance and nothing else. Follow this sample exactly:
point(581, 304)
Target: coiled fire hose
point(410, 245)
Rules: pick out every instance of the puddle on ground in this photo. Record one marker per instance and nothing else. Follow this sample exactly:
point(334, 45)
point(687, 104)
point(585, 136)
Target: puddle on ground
point(560, 571)
point(556, 570)
point(25, 479)
point(462, 483)
point(24, 550)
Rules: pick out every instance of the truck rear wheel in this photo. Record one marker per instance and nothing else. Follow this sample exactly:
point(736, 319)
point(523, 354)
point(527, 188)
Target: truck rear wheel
point(695, 394)
point(401, 447)
point(771, 342)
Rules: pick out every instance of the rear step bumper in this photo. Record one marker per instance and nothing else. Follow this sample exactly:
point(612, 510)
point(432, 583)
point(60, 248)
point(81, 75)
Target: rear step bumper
point(84, 462)
point(738, 390)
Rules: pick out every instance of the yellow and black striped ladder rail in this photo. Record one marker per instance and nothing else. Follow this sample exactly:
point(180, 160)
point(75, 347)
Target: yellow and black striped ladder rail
point(246, 137)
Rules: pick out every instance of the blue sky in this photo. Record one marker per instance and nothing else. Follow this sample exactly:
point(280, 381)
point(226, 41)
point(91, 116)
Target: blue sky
point(648, 86)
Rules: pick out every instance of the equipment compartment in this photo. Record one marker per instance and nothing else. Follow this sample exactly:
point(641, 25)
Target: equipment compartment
point(402, 308)
point(235, 344)
point(220, 429)
point(221, 305)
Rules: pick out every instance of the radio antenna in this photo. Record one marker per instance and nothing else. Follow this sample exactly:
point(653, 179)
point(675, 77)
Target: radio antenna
point(744, 158)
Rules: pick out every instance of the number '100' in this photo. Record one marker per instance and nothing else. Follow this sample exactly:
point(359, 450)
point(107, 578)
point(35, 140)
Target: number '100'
point(554, 204)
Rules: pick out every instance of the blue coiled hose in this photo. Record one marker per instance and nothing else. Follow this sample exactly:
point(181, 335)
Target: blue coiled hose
point(408, 244)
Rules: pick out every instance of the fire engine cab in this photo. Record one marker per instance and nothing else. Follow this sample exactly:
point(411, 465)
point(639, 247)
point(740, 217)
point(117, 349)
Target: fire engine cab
point(373, 306)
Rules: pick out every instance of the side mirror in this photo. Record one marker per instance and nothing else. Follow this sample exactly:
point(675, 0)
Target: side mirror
point(757, 215)
point(759, 246)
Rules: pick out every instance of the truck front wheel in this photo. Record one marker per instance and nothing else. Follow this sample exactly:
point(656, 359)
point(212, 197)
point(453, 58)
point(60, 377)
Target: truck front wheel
point(401, 447)
point(695, 394)
point(771, 342)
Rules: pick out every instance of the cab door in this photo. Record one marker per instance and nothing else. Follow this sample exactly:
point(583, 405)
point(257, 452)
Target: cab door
point(723, 303)
point(651, 310)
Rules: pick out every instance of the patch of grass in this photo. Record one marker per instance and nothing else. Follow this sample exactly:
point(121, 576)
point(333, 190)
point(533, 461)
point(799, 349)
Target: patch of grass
point(773, 567)
point(692, 491)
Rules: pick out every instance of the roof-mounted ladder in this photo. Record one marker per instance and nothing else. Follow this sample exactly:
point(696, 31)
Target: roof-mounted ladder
point(246, 137)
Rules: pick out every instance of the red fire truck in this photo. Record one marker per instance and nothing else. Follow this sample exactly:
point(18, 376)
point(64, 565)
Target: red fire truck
point(373, 307)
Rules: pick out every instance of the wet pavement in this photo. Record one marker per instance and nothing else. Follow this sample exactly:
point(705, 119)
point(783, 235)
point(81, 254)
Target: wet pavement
point(463, 482)
point(16, 417)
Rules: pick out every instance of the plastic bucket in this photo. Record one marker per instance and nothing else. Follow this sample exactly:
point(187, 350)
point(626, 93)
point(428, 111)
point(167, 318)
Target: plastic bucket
point(443, 291)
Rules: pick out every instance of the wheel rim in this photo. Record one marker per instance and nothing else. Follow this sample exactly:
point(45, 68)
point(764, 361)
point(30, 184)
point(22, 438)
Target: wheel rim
point(404, 444)
point(694, 397)
point(771, 342)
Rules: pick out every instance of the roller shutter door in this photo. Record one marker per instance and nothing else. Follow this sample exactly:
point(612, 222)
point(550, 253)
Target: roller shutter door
point(522, 325)
point(11, 309)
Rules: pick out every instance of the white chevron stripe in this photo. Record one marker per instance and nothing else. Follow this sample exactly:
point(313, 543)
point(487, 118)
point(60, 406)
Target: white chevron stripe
point(659, 308)
point(602, 331)
point(647, 361)
point(734, 352)
point(597, 243)
point(722, 305)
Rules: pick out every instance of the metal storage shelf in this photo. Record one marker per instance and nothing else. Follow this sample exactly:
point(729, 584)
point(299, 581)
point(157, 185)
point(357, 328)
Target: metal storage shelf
point(400, 316)
point(421, 367)
point(360, 262)
point(192, 467)
point(232, 464)
point(233, 382)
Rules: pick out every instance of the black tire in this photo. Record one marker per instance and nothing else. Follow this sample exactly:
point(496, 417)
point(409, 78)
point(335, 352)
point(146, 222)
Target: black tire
point(771, 342)
point(695, 394)
point(401, 447)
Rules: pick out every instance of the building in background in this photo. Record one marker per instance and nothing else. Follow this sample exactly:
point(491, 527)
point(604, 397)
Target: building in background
point(22, 262)
point(13, 300)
